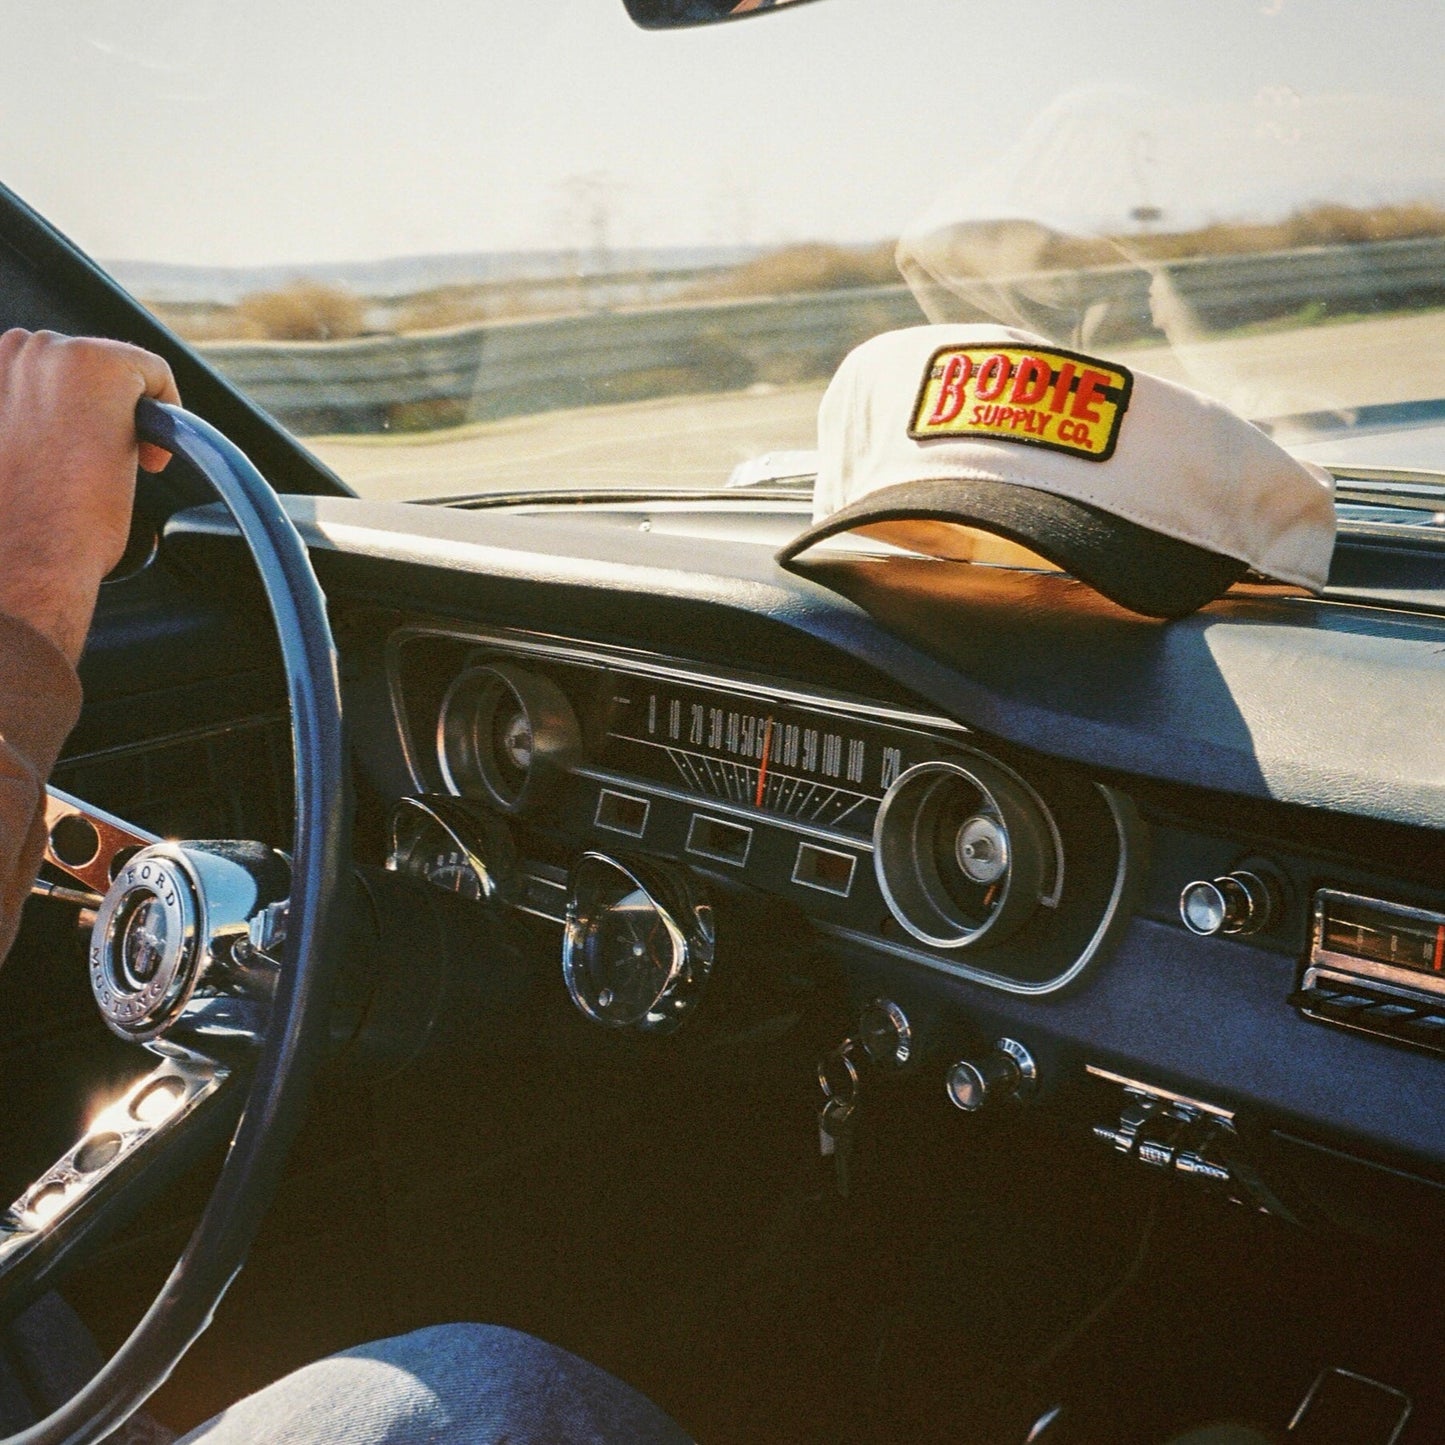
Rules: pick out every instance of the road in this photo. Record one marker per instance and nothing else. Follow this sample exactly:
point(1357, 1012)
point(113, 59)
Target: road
point(686, 441)
point(695, 441)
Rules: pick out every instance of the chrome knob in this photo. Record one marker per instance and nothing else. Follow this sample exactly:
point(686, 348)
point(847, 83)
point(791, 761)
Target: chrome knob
point(982, 848)
point(1239, 902)
point(885, 1033)
point(1007, 1071)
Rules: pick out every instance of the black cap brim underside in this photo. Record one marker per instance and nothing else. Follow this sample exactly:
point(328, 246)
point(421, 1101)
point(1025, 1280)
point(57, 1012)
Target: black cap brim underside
point(1134, 566)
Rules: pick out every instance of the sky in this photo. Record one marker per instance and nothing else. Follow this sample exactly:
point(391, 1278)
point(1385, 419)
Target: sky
point(245, 132)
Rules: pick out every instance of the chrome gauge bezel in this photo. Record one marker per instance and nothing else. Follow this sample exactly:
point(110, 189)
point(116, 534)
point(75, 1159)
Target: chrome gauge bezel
point(483, 841)
point(907, 875)
point(466, 727)
point(500, 644)
point(684, 914)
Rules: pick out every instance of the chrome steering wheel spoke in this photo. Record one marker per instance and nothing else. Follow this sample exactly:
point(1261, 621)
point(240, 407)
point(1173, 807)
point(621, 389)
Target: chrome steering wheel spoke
point(128, 1150)
point(86, 842)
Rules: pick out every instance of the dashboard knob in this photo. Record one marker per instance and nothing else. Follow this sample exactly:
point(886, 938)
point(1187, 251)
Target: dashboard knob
point(885, 1033)
point(1007, 1071)
point(1239, 902)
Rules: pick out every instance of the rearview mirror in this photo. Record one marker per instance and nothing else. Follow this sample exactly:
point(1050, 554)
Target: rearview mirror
point(675, 14)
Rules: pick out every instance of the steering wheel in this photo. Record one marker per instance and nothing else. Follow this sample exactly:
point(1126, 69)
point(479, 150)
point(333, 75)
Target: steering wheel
point(216, 958)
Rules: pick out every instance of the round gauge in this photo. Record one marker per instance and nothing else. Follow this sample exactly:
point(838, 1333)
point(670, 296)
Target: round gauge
point(451, 846)
point(638, 946)
point(964, 851)
point(506, 735)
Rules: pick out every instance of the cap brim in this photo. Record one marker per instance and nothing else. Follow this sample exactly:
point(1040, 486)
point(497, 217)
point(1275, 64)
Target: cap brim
point(1138, 568)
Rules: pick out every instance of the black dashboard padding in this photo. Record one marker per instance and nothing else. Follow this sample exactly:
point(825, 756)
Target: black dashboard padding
point(1209, 1016)
point(1288, 698)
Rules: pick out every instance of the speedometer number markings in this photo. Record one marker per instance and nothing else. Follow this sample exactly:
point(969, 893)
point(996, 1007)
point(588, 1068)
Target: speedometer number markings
point(778, 759)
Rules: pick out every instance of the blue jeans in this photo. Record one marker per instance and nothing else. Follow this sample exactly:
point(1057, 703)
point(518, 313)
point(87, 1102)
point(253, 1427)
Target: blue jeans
point(448, 1385)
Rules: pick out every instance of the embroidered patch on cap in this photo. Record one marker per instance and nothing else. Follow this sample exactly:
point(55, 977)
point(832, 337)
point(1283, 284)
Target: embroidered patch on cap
point(1056, 399)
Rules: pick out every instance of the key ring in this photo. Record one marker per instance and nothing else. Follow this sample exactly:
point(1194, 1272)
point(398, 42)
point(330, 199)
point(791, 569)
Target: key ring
point(843, 1089)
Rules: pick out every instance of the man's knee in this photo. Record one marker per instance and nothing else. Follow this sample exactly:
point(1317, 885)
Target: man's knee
point(503, 1384)
point(463, 1384)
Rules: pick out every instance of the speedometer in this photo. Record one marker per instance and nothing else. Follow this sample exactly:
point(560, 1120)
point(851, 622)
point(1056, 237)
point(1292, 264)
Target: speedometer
point(822, 769)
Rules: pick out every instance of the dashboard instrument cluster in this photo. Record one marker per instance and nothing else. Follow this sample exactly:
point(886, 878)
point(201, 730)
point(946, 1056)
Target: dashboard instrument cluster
point(612, 792)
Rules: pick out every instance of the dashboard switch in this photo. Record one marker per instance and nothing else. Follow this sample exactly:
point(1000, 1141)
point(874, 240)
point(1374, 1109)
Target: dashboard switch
point(1196, 1166)
point(1237, 903)
point(1007, 1071)
point(1186, 1137)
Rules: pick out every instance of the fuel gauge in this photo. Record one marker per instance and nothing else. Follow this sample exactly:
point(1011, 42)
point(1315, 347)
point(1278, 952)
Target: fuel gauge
point(452, 846)
point(965, 852)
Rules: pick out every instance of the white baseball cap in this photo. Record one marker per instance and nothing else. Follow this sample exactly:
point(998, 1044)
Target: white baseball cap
point(1153, 494)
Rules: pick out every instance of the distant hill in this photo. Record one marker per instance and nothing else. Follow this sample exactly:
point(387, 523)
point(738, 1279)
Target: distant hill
point(406, 275)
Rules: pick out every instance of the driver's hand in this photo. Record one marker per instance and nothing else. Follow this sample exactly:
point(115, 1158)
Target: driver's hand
point(68, 456)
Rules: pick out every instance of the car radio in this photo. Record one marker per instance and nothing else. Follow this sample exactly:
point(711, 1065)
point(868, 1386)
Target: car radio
point(1376, 967)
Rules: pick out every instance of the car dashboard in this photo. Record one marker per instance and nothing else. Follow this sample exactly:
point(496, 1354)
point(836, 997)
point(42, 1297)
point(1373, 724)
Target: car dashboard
point(1173, 884)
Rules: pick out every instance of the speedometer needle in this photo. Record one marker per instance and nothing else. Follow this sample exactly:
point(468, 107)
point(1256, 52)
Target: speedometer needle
point(763, 764)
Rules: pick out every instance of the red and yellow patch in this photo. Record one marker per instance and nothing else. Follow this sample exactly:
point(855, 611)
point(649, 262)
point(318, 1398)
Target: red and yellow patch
point(1044, 398)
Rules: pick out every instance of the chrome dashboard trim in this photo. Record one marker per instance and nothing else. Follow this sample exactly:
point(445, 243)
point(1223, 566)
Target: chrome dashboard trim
point(1214, 1111)
point(1126, 824)
point(696, 849)
point(1407, 1404)
point(850, 858)
point(644, 663)
point(530, 883)
point(602, 797)
point(648, 663)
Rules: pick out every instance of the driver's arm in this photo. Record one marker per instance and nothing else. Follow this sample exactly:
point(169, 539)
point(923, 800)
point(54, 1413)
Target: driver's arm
point(68, 457)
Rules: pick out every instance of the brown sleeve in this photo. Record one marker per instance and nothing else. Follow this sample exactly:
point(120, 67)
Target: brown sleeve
point(39, 703)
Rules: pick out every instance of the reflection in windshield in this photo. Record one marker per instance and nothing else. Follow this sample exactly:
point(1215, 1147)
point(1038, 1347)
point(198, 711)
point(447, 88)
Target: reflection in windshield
point(477, 249)
point(1173, 235)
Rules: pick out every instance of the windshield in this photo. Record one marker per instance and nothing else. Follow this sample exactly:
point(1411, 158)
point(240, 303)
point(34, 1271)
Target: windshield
point(479, 248)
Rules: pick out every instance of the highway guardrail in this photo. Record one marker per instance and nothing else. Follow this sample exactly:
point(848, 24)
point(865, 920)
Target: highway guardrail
point(514, 367)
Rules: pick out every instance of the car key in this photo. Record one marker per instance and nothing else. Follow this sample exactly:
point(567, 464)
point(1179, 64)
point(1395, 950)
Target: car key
point(838, 1078)
point(835, 1141)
